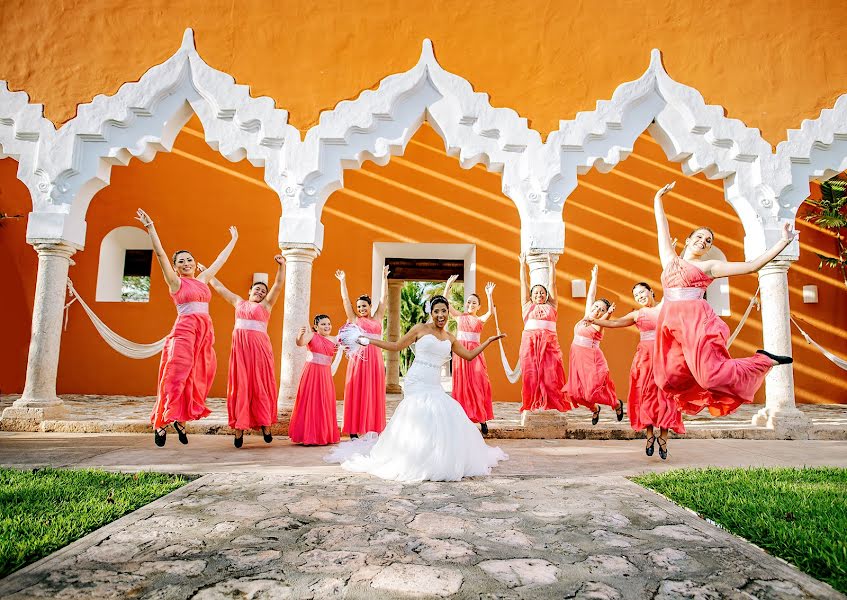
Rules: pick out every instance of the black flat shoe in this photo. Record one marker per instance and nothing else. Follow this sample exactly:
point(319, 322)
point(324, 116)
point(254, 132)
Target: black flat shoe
point(267, 436)
point(595, 416)
point(780, 360)
point(619, 410)
point(239, 441)
point(158, 438)
point(651, 440)
point(353, 436)
point(183, 439)
point(484, 428)
point(663, 449)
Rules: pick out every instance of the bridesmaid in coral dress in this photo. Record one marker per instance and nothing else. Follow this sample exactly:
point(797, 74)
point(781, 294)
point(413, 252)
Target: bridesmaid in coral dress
point(251, 389)
point(188, 363)
point(471, 386)
point(313, 421)
point(692, 362)
point(542, 371)
point(649, 407)
point(589, 383)
point(364, 386)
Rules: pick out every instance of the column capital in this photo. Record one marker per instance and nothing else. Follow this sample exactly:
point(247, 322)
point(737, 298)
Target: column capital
point(49, 248)
point(306, 253)
point(778, 265)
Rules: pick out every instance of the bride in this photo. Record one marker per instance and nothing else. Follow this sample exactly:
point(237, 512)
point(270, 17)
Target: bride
point(429, 437)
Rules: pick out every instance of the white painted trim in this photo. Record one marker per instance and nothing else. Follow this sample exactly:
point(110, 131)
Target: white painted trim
point(385, 250)
point(64, 168)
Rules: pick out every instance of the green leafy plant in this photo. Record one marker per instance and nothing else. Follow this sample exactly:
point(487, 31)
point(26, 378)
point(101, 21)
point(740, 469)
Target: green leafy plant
point(830, 213)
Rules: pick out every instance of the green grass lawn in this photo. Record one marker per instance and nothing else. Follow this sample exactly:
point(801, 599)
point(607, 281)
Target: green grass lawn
point(799, 515)
point(42, 510)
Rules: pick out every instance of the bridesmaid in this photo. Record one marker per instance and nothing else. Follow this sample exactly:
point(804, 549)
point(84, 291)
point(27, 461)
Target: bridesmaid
point(471, 386)
point(692, 362)
point(314, 421)
point(589, 383)
point(188, 363)
point(251, 389)
point(648, 407)
point(364, 386)
point(543, 374)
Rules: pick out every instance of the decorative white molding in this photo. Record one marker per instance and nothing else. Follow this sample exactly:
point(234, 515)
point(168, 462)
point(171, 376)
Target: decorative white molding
point(64, 168)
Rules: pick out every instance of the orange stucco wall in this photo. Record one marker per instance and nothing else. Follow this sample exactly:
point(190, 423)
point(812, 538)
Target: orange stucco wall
point(771, 63)
point(424, 196)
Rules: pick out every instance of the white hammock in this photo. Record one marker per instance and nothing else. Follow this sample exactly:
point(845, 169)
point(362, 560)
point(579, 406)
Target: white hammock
point(511, 374)
point(121, 344)
point(836, 360)
point(754, 301)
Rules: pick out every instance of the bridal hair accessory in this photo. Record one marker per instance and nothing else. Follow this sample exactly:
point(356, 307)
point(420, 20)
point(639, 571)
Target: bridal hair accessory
point(349, 336)
point(427, 307)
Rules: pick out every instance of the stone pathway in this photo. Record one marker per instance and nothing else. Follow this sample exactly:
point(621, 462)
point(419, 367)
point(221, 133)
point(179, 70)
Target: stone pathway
point(351, 536)
point(130, 414)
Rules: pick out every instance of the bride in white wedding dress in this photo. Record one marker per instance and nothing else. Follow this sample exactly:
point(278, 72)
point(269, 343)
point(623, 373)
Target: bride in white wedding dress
point(429, 437)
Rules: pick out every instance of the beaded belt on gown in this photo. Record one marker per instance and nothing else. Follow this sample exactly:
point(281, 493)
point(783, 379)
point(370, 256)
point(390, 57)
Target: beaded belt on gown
point(192, 308)
point(676, 294)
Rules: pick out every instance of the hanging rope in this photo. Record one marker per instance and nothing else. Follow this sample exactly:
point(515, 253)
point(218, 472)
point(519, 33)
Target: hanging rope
point(754, 301)
point(511, 374)
point(836, 360)
point(124, 346)
point(337, 360)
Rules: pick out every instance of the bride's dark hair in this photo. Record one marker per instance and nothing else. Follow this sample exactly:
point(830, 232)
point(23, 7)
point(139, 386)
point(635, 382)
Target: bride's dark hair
point(438, 300)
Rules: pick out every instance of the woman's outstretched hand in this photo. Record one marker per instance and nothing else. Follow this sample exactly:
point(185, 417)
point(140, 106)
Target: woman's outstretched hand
point(142, 216)
point(280, 259)
point(340, 275)
point(489, 288)
point(788, 232)
point(494, 338)
point(665, 189)
point(233, 232)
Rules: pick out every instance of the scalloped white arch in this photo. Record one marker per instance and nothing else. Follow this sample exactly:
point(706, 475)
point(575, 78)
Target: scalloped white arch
point(64, 168)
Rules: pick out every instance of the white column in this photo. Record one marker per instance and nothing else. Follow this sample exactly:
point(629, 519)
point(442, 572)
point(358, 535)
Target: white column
point(539, 271)
point(780, 412)
point(39, 400)
point(392, 381)
point(298, 288)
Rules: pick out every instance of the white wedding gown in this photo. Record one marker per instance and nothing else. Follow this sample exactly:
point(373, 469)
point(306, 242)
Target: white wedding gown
point(429, 437)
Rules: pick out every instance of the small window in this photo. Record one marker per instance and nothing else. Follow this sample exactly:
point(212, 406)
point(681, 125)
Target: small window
point(135, 286)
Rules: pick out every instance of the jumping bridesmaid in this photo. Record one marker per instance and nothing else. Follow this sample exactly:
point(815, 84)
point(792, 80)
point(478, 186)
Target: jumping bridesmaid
point(589, 383)
point(471, 386)
point(692, 362)
point(314, 421)
point(251, 387)
point(364, 386)
point(542, 371)
point(188, 363)
point(649, 407)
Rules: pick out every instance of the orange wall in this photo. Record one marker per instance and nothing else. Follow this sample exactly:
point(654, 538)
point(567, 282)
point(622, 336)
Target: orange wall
point(771, 63)
point(424, 196)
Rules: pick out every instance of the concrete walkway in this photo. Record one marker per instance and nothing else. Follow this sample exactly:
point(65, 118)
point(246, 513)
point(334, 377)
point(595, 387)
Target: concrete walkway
point(558, 520)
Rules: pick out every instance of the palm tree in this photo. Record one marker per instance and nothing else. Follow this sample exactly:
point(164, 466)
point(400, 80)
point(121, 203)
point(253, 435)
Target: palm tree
point(411, 313)
point(830, 212)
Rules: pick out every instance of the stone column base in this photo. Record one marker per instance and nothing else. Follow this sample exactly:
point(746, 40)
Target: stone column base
point(545, 424)
point(36, 410)
point(788, 424)
point(393, 388)
point(283, 416)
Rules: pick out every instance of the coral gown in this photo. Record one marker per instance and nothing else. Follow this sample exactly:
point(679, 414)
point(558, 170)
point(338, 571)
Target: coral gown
point(542, 371)
point(692, 364)
point(188, 363)
point(646, 403)
point(364, 387)
point(314, 421)
point(471, 386)
point(251, 388)
point(589, 382)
